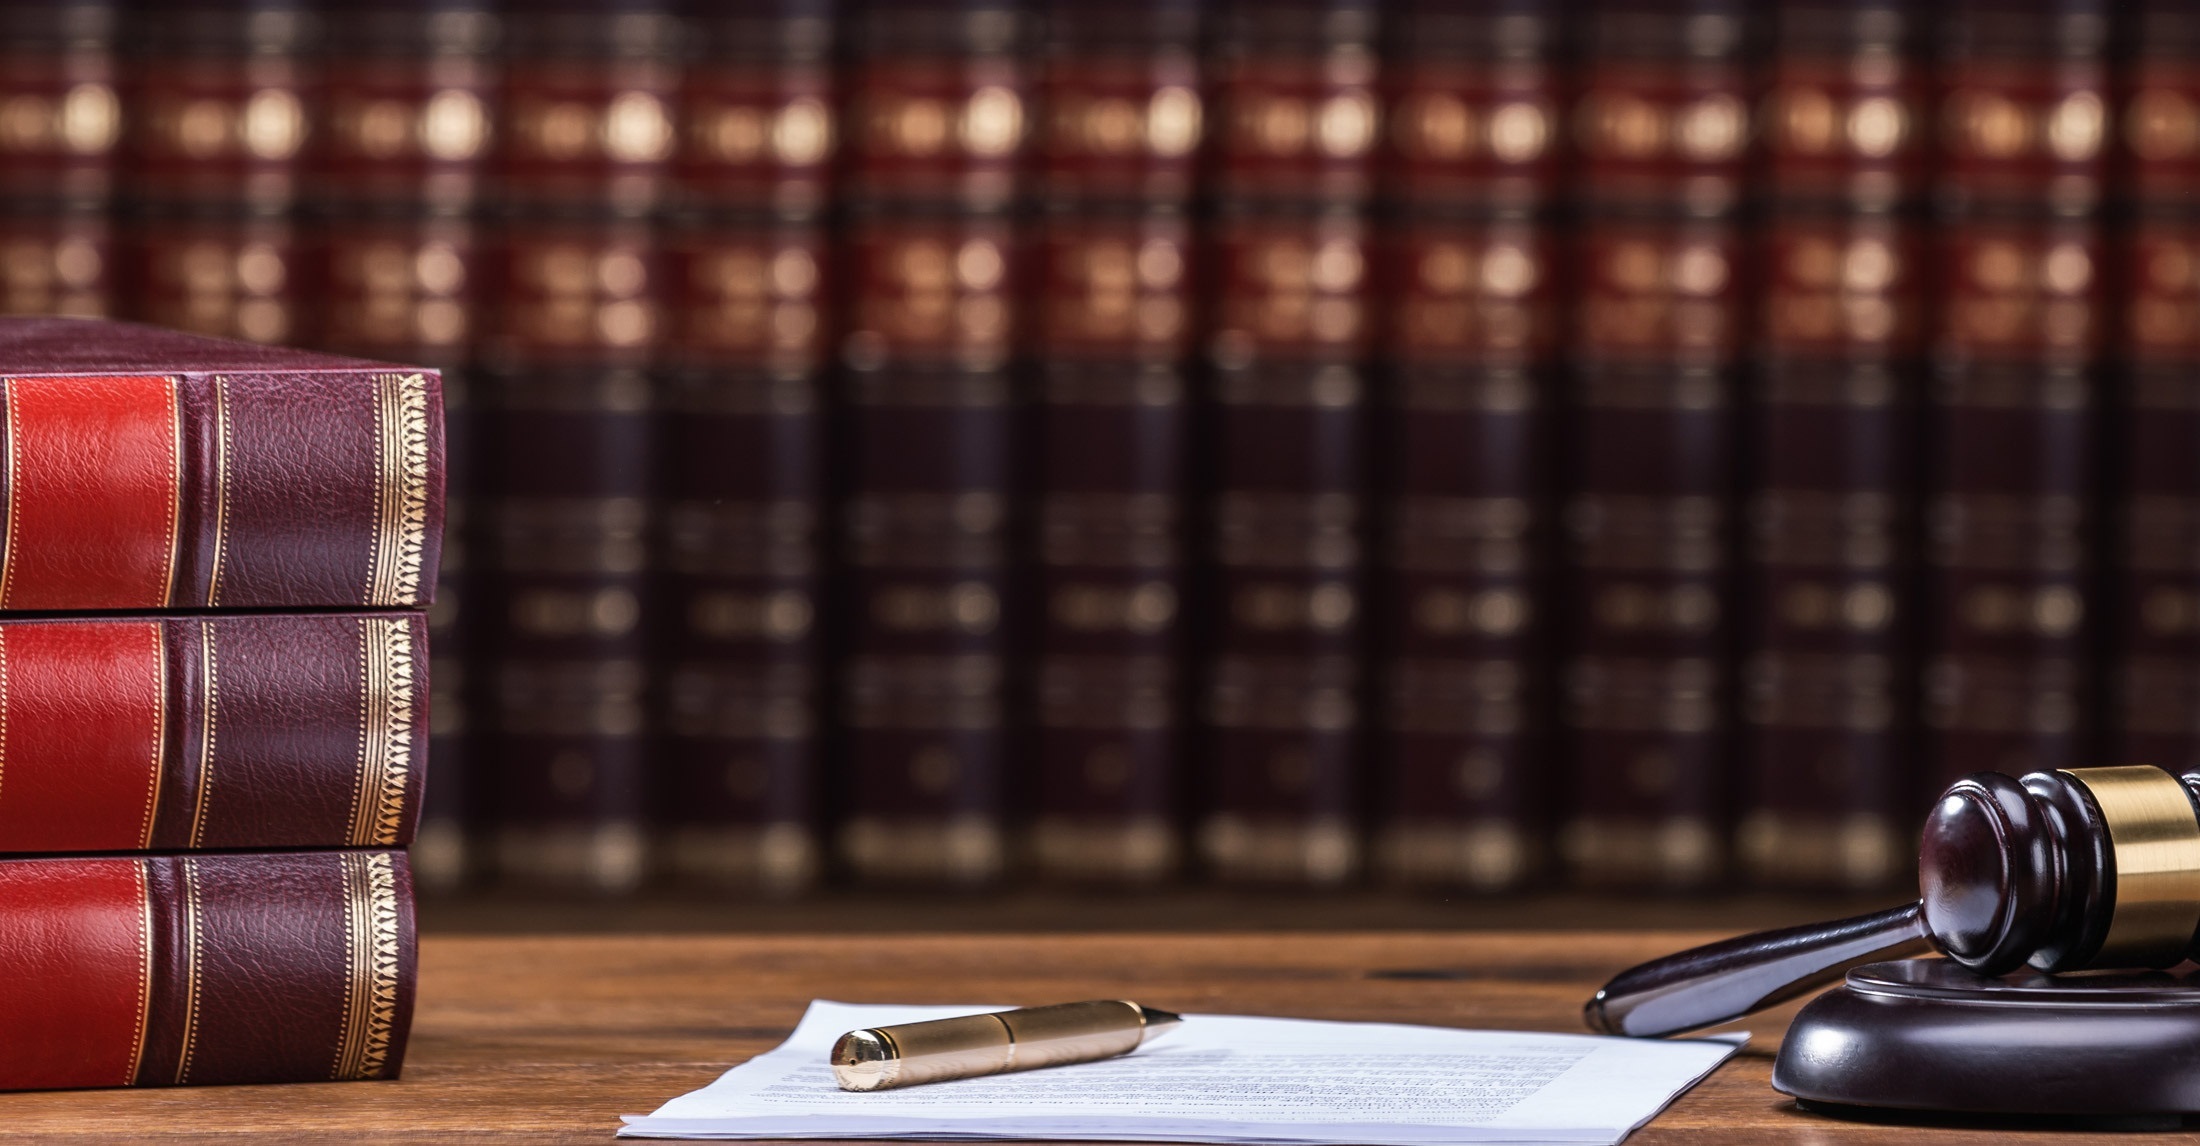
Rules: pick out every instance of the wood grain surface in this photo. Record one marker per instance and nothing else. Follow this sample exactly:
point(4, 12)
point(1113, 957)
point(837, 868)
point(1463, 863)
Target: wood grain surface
point(550, 1039)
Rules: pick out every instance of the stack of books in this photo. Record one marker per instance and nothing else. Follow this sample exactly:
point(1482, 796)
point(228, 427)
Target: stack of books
point(214, 564)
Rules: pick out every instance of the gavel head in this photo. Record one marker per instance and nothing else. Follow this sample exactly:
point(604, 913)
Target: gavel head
point(2087, 867)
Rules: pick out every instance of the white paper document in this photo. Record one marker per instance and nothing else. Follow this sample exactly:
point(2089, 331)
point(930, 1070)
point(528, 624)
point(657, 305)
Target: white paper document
point(1220, 1078)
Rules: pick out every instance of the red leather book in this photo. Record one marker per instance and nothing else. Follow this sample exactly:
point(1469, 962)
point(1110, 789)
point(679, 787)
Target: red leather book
point(2156, 340)
point(2011, 523)
point(395, 170)
point(740, 534)
point(1469, 274)
point(227, 475)
point(57, 67)
point(1288, 257)
point(205, 969)
point(263, 730)
point(215, 113)
point(1828, 762)
point(1662, 134)
point(574, 296)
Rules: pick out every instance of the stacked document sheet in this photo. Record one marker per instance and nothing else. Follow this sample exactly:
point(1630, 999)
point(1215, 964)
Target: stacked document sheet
point(1220, 1078)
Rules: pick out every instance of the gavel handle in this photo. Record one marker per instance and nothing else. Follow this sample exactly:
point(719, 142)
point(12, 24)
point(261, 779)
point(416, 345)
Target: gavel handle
point(1733, 977)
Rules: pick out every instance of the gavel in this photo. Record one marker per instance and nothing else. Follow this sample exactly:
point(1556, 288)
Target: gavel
point(2078, 869)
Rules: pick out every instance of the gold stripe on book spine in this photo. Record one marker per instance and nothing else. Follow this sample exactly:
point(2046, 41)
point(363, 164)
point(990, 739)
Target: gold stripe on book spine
point(160, 733)
point(221, 491)
point(175, 499)
point(187, 873)
point(7, 534)
point(388, 670)
point(209, 695)
point(371, 964)
point(145, 968)
point(401, 490)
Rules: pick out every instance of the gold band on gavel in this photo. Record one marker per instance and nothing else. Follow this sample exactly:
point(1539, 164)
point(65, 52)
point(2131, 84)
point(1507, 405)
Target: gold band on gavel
point(2154, 838)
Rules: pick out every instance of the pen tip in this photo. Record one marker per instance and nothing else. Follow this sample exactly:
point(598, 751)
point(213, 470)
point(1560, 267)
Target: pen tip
point(1157, 1019)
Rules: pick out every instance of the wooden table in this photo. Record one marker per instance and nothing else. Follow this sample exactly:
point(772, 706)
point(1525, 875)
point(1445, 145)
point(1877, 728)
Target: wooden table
point(550, 1039)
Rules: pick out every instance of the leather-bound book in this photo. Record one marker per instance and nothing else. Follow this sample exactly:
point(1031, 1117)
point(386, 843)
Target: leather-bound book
point(57, 66)
point(394, 175)
point(573, 299)
point(2156, 341)
point(1109, 337)
point(2014, 397)
point(1829, 558)
point(1111, 333)
point(1285, 511)
point(926, 447)
point(260, 730)
point(1469, 275)
point(238, 967)
point(148, 469)
point(215, 127)
point(738, 552)
point(1662, 136)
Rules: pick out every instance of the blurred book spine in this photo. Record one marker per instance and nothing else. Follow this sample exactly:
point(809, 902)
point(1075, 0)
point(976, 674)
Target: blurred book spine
point(1828, 768)
point(2154, 715)
point(1110, 338)
point(1469, 336)
point(392, 260)
point(573, 299)
point(214, 101)
point(1287, 510)
point(1662, 132)
point(60, 120)
point(740, 526)
point(938, 99)
point(2015, 387)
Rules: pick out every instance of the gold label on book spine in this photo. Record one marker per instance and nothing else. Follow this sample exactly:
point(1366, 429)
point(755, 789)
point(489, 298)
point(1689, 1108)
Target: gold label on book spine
point(372, 961)
point(401, 490)
point(388, 666)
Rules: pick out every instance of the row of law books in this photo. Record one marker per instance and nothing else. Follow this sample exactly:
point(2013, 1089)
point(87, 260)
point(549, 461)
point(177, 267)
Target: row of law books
point(213, 644)
point(1457, 443)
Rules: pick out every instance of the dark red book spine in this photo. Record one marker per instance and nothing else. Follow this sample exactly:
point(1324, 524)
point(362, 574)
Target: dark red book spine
point(2156, 587)
point(1662, 136)
point(1110, 335)
point(259, 731)
point(1289, 249)
point(938, 103)
point(57, 159)
point(394, 175)
point(575, 293)
point(215, 112)
point(741, 509)
point(1469, 277)
point(2015, 391)
point(1829, 563)
point(206, 969)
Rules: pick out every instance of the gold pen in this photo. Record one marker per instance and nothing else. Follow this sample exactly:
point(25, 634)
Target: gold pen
point(882, 1058)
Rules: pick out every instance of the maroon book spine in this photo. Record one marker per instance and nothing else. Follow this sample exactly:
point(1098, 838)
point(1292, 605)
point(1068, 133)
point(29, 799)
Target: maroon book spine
point(1287, 513)
point(937, 121)
point(1828, 766)
point(1469, 334)
point(2014, 403)
point(2156, 586)
point(740, 523)
point(206, 969)
point(400, 133)
point(215, 126)
point(57, 159)
point(573, 288)
point(1662, 135)
point(1109, 340)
